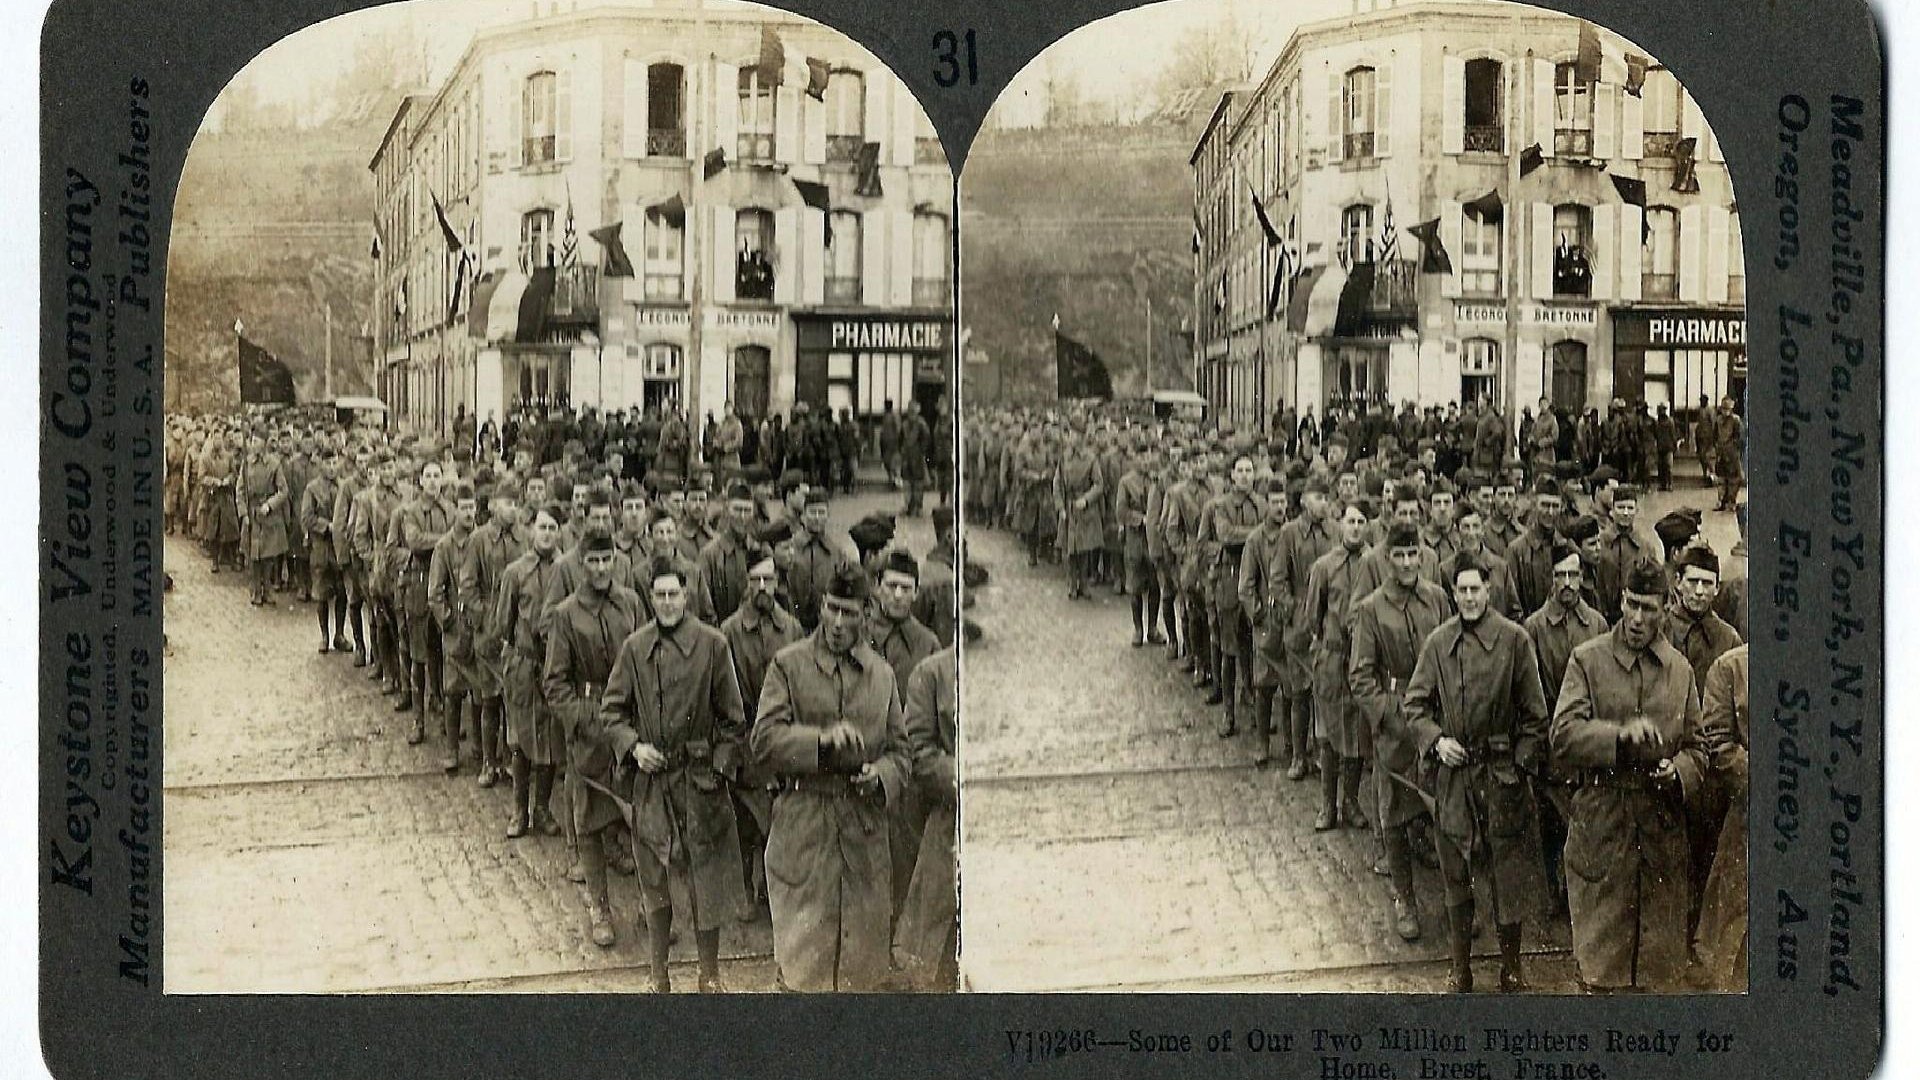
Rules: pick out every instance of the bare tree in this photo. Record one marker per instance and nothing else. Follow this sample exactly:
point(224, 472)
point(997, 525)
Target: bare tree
point(1221, 51)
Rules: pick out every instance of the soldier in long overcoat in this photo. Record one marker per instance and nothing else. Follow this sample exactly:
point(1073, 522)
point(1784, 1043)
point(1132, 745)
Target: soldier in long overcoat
point(1229, 518)
point(265, 507)
point(930, 924)
point(517, 630)
point(1077, 489)
point(1720, 941)
point(1320, 629)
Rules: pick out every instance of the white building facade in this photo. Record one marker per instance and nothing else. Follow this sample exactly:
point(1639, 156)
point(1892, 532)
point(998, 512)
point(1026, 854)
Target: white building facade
point(784, 246)
point(1565, 282)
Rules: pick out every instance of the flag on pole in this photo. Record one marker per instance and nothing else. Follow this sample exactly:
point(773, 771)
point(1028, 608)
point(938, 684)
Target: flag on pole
point(264, 378)
point(375, 252)
point(1281, 278)
point(1078, 370)
point(817, 71)
point(1389, 236)
point(1487, 207)
point(614, 259)
point(1532, 158)
point(773, 58)
point(1636, 73)
point(1684, 179)
point(866, 171)
point(1196, 232)
point(1433, 254)
point(715, 161)
point(1586, 63)
point(446, 227)
point(569, 241)
point(815, 196)
point(1266, 223)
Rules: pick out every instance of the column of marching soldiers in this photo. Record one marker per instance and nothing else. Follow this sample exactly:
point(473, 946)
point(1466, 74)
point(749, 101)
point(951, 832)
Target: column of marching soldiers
point(1484, 662)
point(655, 675)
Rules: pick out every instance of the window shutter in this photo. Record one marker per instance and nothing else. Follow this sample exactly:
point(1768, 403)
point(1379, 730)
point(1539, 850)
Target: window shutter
point(1542, 251)
point(1383, 109)
point(786, 124)
point(1450, 229)
point(634, 116)
point(722, 247)
point(813, 255)
point(900, 260)
point(1543, 105)
point(563, 116)
point(687, 266)
point(906, 114)
point(1606, 240)
point(873, 258)
point(1689, 241)
point(1606, 99)
point(813, 116)
point(873, 118)
point(1631, 218)
point(1718, 254)
point(1453, 116)
point(787, 252)
point(1690, 120)
point(1711, 141)
point(726, 109)
point(1336, 125)
point(1632, 126)
point(517, 153)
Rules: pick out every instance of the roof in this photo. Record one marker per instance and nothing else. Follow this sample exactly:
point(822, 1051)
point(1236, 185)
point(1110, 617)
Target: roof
point(407, 102)
point(1220, 110)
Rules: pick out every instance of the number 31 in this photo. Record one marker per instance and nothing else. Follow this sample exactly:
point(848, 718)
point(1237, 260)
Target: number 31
point(947, 60)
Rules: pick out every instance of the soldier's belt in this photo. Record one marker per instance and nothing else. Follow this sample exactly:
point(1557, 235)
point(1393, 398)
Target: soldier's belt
point(819, 784)
point(1618, 778)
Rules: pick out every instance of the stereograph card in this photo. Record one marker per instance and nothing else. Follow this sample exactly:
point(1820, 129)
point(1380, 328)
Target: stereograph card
point(1320, 538)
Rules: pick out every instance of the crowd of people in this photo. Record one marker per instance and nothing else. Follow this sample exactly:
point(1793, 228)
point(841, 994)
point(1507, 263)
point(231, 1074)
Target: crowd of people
point(660, 652)
point(1466, 635)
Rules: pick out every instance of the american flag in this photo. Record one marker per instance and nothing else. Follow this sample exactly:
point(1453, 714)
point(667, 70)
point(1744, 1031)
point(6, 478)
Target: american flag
point(1389, 236)
point(569, 240)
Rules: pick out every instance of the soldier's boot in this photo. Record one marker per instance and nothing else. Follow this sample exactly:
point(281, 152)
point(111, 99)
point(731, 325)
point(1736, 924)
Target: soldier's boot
point(1262, 727)
point(1350, 794)
point(540, 819)
point(1213, 662)
point(1406, 903)
point(489, 743)
point(1512, 980)
point(659, 941)
point(1300, 728)
point(1137, 604)
point(599, 913)
point(708, 942)
point(1230, 696)
point(1460, 948)
point(450, 708)
point(354, 612)
point(518, 771)
point(1329, 815)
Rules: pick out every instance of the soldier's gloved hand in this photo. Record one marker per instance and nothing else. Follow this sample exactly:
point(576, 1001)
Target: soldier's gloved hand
point(648, 757)
point(1640, 740)
point(867, 781)
point(1449, 751)
point(845, 749)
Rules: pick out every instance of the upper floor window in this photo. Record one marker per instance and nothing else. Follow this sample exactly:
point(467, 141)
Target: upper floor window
point(1660, 255)
point(846, 114)
point(666, 119)
point(1572, 250)
point(1479, 252)
point(539, 107)
point(1572, 111)
point(1661, 102)
point(753, 255)
point(1356, 113)
point(931, 254)
point(1356, 234)
point(665, 262)
point(755, 138)
point(536, 239)
point(844, 257)
point(1484, 128)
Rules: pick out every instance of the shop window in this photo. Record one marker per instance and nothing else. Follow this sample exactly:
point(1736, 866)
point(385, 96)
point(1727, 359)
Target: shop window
point(1572, 111)
point(666, 121)
point(536, 240)
point(1657, 389)
point(1359, 376)
point(1356, 113)
point(1660, 106)
point(753, 255)
point(844, 257)
point(1479, 252)
point(846, 114)
point(665, 260)
point(1479, 371)
point(1572, 250)
point(660, 375)
point(931, 254)
point(754, 141)
point(1356, 234)
point(1484, 129)
point(1569, 389)
point(540, 112)
point(1660, 254)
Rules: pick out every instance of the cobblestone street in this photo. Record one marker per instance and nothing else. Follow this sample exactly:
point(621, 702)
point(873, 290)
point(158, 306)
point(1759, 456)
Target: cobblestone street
point(311, 850)
point(1110, 841)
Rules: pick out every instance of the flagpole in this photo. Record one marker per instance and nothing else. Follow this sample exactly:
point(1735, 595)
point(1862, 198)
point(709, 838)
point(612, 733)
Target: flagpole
point(1510, 223)
point(329, 353)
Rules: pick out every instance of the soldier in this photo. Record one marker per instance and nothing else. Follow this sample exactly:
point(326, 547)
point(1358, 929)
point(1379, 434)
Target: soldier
point(1467, 524)
point(1307, 538)
point(316, 521)
point(1729, 442)
point(756, 631)
point(1529, 558)
point(1225, 525)
point(1563, 623)
point(1266, 613)
point(902, 642)
point(1720, 942)
point(929, 927)
point(1628, 726)
point(1180, 524)
point(264, 495)
point(518, 630)
point(915, 439)
point(1389, 625)
point(830, 727)
point(584, 633)
point(493, 548)
point(1478, 720)
point(723, 561)
point(1666, 438)
point(419, 525)
point(1320, 625)
point(457, 613)
point(1131, 500)
point(1702, 637)
point(673, 706)
point(1078, 489)
point(890, 444)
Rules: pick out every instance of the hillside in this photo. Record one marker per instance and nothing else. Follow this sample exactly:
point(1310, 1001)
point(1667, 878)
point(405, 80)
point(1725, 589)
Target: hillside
point(1086, 223)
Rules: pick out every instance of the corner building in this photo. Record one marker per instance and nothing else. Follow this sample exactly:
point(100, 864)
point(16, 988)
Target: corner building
point(1561, 285)
point(747, 289)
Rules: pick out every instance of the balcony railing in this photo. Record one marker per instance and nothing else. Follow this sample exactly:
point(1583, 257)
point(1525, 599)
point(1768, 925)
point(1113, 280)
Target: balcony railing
point(1480, 282)
point(1484, 138)
point(1659, 286)
point(1358, 144)
point(753, 146)
point(1395, 289)
point(537, 149)
point(666, 142)
point(932, 292)
point(665, 287)
point(1573, 142)
point(1658, 144)
point(844, 148)
point(1572, 272)
point(843, 290)
point(576, 293)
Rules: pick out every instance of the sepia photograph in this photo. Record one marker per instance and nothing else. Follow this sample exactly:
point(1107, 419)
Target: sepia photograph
point(1353, 429)
point(561, 557)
